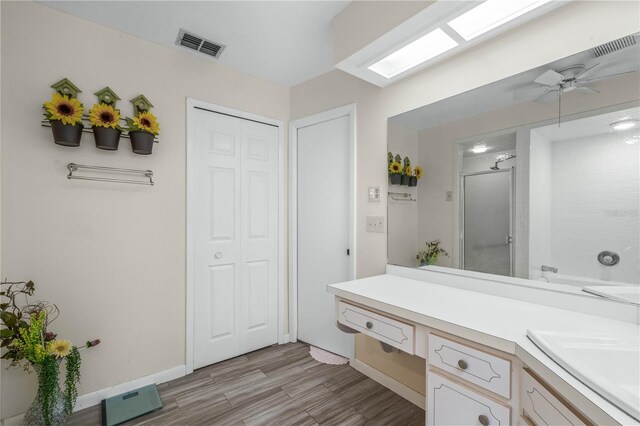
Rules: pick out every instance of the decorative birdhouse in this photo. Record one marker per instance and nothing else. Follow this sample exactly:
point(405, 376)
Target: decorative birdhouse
point(107, 96)
point(141, 104)
point(65, 87)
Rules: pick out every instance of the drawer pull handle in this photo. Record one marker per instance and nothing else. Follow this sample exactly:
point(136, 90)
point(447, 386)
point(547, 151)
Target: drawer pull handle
point(484, 420)
point(463, 365)
point(369, 325)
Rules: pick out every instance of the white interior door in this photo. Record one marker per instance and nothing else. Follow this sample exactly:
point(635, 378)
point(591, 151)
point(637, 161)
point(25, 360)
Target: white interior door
point(323, 234)
point(235, 236)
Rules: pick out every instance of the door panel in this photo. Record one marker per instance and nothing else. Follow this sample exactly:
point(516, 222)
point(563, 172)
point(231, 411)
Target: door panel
point(323, 231)
point(487, 223)
point(235, 236)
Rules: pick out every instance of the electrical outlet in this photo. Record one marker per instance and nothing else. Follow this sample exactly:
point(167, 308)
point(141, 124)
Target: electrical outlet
point(449, 196)
point(375, 224)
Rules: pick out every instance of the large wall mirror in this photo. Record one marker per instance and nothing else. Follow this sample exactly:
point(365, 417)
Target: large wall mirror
point(533, 177)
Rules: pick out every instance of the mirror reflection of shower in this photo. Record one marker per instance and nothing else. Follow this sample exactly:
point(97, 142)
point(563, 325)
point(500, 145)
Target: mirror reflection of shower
point(500, 158)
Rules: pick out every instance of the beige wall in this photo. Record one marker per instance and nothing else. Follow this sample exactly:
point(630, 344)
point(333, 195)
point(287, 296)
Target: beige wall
point(112, 257)
point(362, 22)
point(563, 32)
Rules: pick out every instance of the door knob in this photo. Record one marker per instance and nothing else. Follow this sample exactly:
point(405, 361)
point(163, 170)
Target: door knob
point(484, 420)
point(218, 255)
point(463, 364)
point(369, 325)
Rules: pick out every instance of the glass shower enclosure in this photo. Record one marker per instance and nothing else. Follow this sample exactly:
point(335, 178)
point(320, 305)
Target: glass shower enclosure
point(487, 221)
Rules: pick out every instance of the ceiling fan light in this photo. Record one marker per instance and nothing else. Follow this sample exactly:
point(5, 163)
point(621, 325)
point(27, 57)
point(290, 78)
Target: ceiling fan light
point(421, 50)
point(625, 124)
point(491, 14)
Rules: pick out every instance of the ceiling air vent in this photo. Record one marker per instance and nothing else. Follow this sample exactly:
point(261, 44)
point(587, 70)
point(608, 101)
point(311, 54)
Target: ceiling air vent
point(612, 46)
point(199, 44)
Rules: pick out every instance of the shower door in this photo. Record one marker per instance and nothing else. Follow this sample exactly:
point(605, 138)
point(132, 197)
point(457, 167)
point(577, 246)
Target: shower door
point(487, 216)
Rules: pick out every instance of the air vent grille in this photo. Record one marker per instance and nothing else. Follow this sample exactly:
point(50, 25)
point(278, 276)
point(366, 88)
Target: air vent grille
point(199, 44)
point(612, 46)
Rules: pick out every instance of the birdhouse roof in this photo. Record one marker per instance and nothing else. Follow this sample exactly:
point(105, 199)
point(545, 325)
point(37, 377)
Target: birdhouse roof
point(66, 87)
point(107, 96)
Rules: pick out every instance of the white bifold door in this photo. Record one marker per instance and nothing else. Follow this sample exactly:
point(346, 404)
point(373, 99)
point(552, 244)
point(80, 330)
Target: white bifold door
point(235, 230)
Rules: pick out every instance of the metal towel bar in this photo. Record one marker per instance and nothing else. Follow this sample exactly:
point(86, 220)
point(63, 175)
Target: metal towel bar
point(404, 196)
point(72, 167)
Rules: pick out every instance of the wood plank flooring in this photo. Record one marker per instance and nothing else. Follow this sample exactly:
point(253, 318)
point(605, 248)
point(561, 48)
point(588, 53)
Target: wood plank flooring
point(279, 385)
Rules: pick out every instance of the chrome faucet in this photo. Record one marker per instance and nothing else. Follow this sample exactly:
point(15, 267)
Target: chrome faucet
point(546, 268)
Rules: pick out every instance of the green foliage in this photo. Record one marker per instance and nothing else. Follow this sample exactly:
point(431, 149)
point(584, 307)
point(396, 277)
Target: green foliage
point(430, 254)
point(48, 386)
point(30, 341)
point(72, 380)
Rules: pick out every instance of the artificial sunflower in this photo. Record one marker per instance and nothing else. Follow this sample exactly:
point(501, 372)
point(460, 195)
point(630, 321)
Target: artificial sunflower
point(395, 168)
point(60, 348)
point(418, 172)
point(408, 171)
point(64, 108)
point(145, 122)
point(103, 115)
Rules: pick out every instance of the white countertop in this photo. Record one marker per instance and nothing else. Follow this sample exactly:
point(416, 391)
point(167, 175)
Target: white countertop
point(495, 321)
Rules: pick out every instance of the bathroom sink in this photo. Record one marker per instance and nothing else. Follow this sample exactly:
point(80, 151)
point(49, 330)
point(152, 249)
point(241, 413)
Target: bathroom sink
point(608, 364)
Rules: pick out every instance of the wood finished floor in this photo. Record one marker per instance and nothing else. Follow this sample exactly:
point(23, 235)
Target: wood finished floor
point(279, 385)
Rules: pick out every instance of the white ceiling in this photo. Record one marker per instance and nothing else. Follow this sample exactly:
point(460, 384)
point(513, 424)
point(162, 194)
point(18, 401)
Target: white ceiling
point(501, 93)
point(286, 42)
point(494, 144)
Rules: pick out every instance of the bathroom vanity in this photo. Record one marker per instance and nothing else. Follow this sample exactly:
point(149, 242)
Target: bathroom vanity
point(481, 366)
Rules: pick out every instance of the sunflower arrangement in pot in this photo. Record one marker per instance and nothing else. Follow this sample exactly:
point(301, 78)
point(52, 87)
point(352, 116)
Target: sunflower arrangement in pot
point(143, 127)
point(105, 120)
point(64, 112)
point(29, 343)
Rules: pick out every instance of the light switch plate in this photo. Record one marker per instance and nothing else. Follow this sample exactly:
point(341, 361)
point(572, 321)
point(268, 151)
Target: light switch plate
point(374, 194)
point(375, 224)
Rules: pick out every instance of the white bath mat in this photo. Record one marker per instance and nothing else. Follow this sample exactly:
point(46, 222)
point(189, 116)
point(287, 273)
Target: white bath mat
point(325, 357)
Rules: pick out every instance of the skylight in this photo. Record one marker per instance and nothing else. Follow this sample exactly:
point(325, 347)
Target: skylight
point(426, 47)
point(491, 14)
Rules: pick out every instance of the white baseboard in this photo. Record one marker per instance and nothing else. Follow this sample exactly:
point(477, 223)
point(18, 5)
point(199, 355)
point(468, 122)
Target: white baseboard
point(95, 398)
point(390, 383)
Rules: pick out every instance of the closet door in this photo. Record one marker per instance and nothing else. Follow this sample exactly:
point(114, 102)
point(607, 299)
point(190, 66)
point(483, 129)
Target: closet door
point(235, 236)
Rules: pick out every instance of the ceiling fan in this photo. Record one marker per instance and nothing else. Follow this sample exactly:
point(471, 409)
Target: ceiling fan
point(551, 84)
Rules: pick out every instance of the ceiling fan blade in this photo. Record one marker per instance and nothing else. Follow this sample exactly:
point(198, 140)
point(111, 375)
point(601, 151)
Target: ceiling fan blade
point(591, 80)
point(549, 78)
point(528, 93)
point(586, 72)
point(584, 89)
point(548, 97)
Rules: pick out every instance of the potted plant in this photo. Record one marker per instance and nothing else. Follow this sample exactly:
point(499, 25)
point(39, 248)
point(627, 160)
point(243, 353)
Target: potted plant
point(417, 174)
point(406, 171)
point(64, 112)
point(105, 122)
point(429, 255)
point(395, 173)
point(143, 127)
point(30, 344)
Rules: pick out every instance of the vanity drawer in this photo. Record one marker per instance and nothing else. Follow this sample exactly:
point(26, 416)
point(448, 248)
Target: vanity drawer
point(480, 368)
point(542, 407)
point(380, 327)
point(449, 403)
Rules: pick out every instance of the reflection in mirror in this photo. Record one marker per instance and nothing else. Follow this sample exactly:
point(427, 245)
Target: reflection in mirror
point(536, 176)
